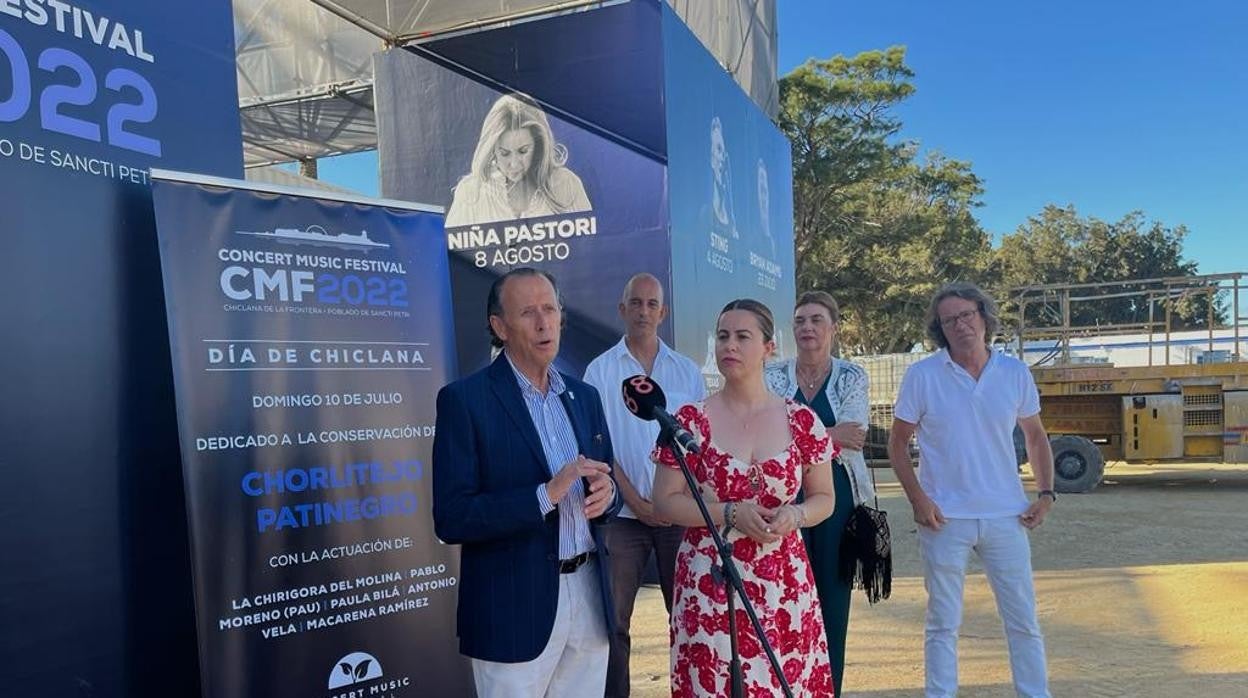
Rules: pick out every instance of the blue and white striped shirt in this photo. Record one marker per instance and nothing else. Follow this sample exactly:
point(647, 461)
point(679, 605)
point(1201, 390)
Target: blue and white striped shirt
point(554, 430)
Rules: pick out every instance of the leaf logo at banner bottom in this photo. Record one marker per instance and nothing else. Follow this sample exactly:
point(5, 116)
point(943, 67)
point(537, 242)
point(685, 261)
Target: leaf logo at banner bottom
point(354, 668)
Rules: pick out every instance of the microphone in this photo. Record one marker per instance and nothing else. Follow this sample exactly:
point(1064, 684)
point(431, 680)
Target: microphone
point(644, 398)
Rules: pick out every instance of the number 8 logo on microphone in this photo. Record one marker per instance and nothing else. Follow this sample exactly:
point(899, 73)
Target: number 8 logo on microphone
point(642, 384)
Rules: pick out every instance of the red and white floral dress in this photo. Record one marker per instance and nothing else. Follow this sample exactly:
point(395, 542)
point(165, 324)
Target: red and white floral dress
point(777, 576)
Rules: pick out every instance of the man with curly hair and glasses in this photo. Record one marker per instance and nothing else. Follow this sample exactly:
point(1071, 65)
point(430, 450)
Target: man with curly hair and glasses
point(963, 403)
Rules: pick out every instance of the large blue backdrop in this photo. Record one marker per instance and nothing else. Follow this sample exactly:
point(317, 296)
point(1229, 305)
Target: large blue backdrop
point(95, 594)
point(731, 192)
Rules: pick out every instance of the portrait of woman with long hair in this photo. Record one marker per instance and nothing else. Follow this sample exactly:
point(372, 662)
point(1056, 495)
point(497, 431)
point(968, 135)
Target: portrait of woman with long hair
point(518, 170)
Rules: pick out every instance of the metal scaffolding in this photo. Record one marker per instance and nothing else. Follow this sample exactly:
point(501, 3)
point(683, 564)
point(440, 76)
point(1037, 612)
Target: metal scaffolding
point(305, 78)
point(1153, 301)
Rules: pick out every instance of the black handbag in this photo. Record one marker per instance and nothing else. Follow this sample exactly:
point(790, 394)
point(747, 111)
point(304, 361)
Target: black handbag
point(866, 557)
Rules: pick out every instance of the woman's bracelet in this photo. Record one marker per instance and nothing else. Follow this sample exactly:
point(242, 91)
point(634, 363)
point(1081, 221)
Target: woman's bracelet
point(801, 515)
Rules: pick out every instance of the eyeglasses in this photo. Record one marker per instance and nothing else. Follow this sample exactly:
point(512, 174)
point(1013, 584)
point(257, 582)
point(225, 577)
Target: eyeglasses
point(965, 316)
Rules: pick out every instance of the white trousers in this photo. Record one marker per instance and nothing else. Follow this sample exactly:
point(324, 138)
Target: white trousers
point(574, 661)
point(1004, 550)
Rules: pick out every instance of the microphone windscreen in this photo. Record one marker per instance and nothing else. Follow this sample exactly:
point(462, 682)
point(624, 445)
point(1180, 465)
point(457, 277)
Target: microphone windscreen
point(642, 395)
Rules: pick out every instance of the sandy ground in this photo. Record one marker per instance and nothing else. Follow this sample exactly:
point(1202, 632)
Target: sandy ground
point(1142, 590)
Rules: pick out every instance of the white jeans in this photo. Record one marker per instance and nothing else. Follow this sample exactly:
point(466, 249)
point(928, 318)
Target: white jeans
point(1005, 551)
point(574, 661)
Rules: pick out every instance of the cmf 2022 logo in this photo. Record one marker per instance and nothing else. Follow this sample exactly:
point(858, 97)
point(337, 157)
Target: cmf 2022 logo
point(361, 675)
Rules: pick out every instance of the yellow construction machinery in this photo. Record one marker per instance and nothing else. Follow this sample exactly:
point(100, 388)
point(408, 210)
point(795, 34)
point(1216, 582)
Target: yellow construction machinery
point(1183, 398)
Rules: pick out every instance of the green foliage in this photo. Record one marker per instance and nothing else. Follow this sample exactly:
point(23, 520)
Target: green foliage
point(881, 227)
point(874, 224)
point(1058, 246)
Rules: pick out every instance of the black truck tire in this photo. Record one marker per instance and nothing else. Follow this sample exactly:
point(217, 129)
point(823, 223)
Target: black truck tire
point(1078, 465)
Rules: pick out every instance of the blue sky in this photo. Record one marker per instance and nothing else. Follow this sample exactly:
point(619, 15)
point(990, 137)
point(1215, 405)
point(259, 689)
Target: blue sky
point(1108, 105)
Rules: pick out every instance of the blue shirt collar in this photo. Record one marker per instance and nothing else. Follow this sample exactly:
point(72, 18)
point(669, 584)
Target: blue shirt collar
point(554, 380)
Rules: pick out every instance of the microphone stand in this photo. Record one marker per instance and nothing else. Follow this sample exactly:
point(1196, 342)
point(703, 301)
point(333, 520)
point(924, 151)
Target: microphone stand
point(728, 575)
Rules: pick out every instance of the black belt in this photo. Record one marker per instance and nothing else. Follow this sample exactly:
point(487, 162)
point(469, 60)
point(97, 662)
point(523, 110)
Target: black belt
point(573, 564)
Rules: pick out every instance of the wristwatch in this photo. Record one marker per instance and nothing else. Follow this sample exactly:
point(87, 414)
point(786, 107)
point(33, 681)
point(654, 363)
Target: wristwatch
point(1051, 493)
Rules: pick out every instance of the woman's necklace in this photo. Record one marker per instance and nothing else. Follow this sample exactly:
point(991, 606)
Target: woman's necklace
point(754, 471)
point(747, 414)
point(809, 382)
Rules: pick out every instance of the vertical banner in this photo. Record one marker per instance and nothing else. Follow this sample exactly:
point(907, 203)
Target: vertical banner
point(309, 337)
point(535, 165)
point(95, 593)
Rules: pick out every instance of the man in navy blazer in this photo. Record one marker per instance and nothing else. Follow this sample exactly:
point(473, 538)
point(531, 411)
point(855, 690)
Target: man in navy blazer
point(520, 481)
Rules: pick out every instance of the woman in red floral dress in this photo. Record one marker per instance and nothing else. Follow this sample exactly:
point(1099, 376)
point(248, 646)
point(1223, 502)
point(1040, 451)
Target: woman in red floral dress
point(758, 450)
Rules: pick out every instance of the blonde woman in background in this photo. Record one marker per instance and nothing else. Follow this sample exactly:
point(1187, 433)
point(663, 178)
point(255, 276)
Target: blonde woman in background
point(837, 391)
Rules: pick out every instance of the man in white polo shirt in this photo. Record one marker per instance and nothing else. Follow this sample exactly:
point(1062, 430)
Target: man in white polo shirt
point(963, 401)
point(636, 531)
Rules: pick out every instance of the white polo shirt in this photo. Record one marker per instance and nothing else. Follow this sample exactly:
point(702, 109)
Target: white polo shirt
point(966, 432)
point(632, 438)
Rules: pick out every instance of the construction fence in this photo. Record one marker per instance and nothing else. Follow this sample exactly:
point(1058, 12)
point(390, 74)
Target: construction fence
point(884, 371)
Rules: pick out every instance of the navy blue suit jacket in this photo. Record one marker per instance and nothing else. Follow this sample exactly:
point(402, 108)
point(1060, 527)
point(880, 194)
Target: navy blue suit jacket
point(487, 465)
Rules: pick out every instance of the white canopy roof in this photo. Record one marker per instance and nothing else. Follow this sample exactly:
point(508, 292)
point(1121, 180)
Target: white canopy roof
point(305, 66)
